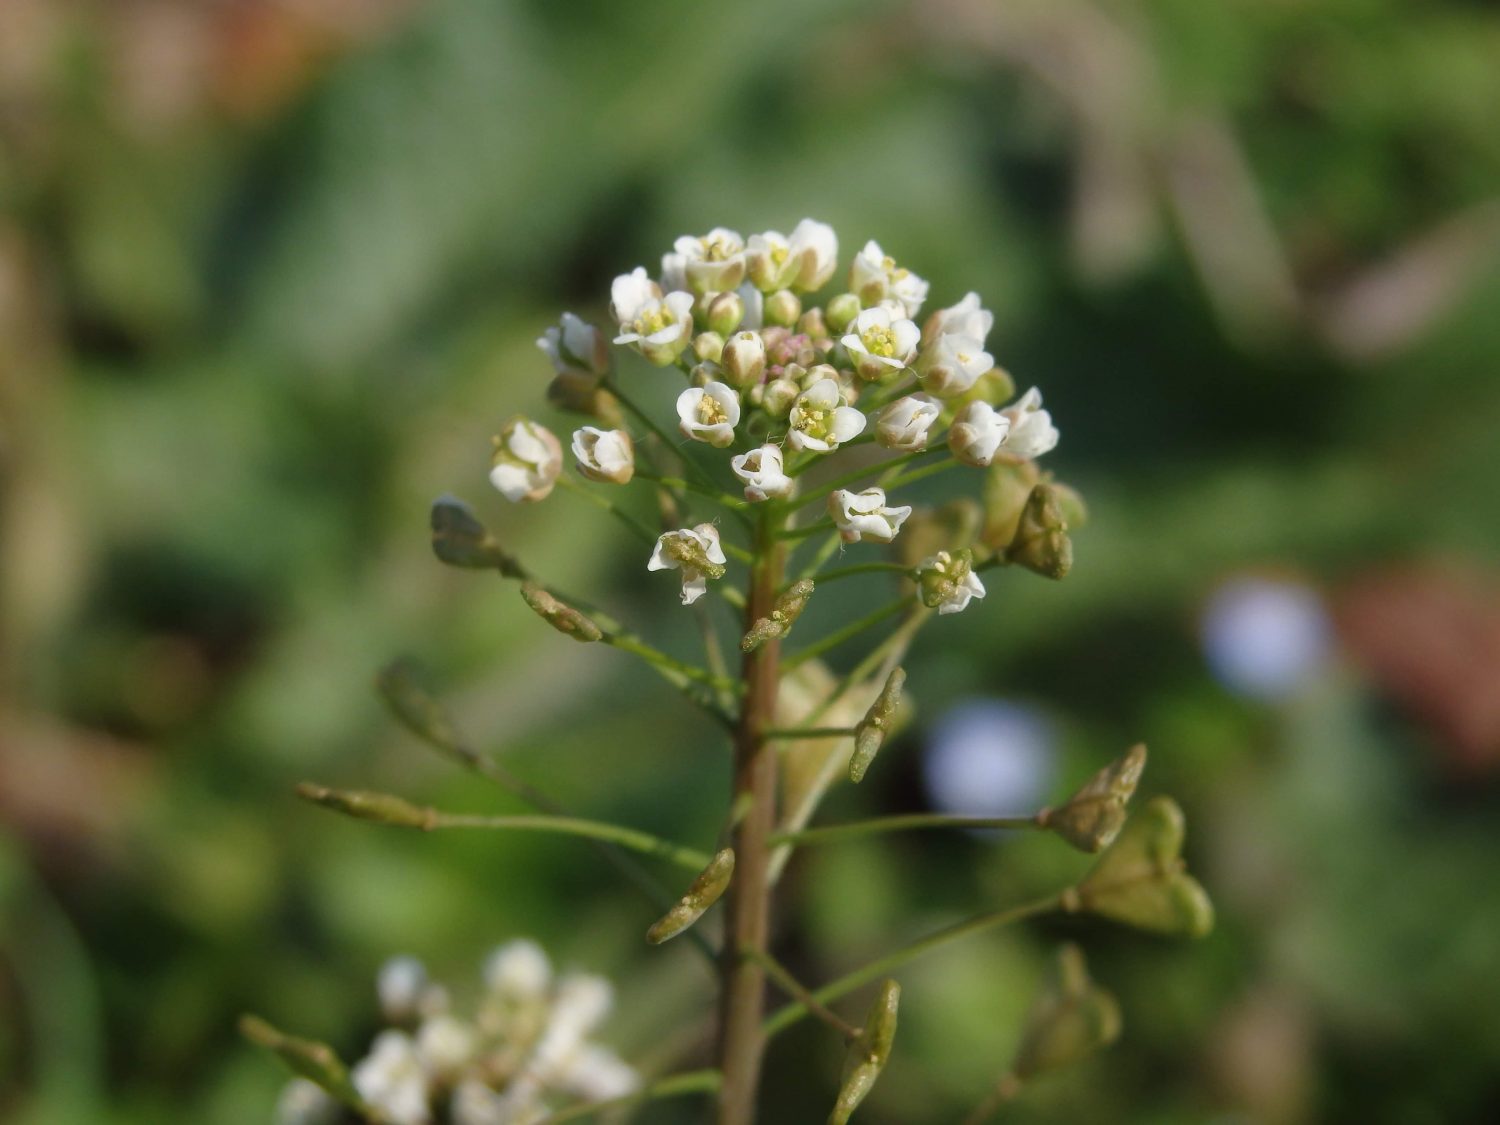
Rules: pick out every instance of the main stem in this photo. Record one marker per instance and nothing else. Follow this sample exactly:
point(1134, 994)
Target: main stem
point(742, 1042)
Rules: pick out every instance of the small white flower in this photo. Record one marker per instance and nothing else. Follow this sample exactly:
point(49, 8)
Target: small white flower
point(709, 413)
point(630, 293)
point(905, 423)
point(873, 277)
point(392, 1079)
point(864, 515)
point(744, 358)
point(400, 985)
point(1031, 430)
point(769, 262)
point(880, 342)
point(819, 419)
point(446, 1045)
point(607, 456)
point(714, 263)
point(952, 364)
point(527, 461)
point(816, 246)
point(303, 1102)
point(575, 347)
point(518, 970)
point(697, 552)
point(967, 318)
point(763, 472)
point(948, 582)
point(976, 433)
point(474, 1103)
point(582, 1000)
point(596, 1074)
point(660, 328)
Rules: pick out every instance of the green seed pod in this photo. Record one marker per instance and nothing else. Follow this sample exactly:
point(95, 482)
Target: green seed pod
point(706, 890)
point(459, 539)
point(870, 734)
point(1142, 881)
point(783, 616)
point(1041, 542)
point(562, 617)
point(317, 1062)
point(869, 1053)
point(382, 808)
point(1074, 1018)
point(413, 706)
point(1094, 815)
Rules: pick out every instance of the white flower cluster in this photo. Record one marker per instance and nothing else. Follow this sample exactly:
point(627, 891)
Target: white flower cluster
point(778, 384)
point(527, 1048)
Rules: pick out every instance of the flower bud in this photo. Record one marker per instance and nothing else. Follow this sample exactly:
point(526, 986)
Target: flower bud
point(976, 434)
point(947, 582)
point(869, 1053)
point(1071, 1020)
point(724, 313)
point(1041, 542)
point(705, 891)
point(562, 617)
point(584, 394)
point(1142, 881)
point(869, 734)
point(708, 347)
point(459, 539)
point(783, 308)
point(744, 359)
point(606, 456)
point(526, 461)
point(812, 324)
point(841, 311)
point(779, 396)
point(1094, 815)
point(575, 347)
point(904, 424)
point(783, 616)
point(400, 985)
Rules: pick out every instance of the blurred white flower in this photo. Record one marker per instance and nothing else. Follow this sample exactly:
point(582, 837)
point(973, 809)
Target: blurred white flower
point(709, 413)
point(575, 347)
point(518, 971)
point(864, 515)
point(989, 757)
point(607, 456)
point(819, 419)
point(446, 1045)
point(763, 472)
point(714, 263)
point(526, 462)
point(874, 277)
point(905, 423)
point(880, 342)
point(816, 247)
point(304, 1103)
point(1264, 638)
point(696, 551)
point(597, 1074)
point(976, 433)
point(1031, 430)
point(392, 1079)
point(400, 985)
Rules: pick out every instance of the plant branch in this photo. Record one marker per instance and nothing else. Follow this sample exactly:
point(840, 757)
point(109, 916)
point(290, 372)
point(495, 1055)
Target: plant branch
point(691, 1082)
point(800, 992)
point(876, 826)
point(848, 632)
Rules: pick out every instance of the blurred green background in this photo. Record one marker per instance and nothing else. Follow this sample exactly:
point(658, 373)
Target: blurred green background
point(270, 273)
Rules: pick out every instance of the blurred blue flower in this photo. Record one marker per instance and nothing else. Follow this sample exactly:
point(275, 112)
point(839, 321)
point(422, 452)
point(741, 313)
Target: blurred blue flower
point(989, 757)
point(1263, 637)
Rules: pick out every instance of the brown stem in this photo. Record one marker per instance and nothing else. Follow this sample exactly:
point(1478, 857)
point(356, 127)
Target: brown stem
point(742, 1042)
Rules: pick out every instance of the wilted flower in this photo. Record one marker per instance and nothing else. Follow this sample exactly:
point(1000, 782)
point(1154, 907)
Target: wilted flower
point(660, 328)
point(864, 515)
point(976, 433)
point(873, 277)
point(526, 462)
point(709, 413)
point(575, 347)
point(904, 424)
point(1031, 430)
point(697, 552)
point(819, 419)
point(879, 342)
point(763, 472)
point(948, 582)
point(607, 456)
point(952, 364)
